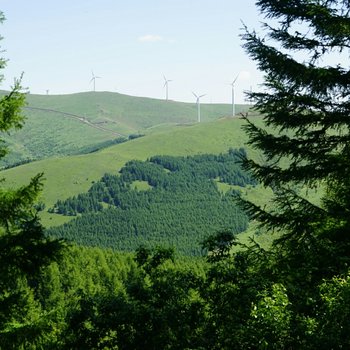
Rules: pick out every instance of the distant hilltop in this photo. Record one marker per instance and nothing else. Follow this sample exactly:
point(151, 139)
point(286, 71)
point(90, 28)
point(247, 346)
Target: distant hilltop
point(58, 125)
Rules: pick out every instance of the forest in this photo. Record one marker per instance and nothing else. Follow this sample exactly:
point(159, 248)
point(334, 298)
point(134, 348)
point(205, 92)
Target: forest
point(56, 294)
point(180, 206)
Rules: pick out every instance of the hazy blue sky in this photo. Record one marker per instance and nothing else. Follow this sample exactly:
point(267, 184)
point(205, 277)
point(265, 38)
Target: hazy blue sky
point(130, 44)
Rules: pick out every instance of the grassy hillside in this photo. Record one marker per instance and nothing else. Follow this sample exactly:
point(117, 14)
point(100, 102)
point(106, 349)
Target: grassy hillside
point(182, 206)
point(125, 112)
point(68, 124)
point(71, 175)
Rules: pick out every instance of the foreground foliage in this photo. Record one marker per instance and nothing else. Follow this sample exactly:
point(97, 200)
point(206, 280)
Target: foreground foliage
point(307, 101)
point(292, 296)
point(24, 247)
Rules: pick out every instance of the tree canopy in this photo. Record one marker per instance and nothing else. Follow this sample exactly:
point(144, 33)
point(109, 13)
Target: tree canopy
point(294, 295)
point(305, 143)
point(24, 250)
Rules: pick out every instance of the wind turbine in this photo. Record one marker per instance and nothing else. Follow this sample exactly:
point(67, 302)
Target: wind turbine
point(166, 84)
point(93, 79)
point(198, 105)
point(233, 95)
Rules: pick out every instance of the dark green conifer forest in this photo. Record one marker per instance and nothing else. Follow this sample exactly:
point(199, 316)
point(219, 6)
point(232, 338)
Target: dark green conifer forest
point(294, 295)
point(182, 206)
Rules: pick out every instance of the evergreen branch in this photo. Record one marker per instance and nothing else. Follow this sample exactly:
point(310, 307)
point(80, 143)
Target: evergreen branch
point(284, 71)
point(328, 23)
point(290, 213)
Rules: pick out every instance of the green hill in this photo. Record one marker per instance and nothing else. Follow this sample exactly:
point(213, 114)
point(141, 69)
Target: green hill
point(180, 205)
point(71, 175)
point(76, 123)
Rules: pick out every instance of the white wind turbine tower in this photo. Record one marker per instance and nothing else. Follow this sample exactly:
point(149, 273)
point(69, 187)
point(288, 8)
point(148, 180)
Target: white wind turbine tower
point(198, 105)
point(93, 79)
point(233, 96)
point(166, 84)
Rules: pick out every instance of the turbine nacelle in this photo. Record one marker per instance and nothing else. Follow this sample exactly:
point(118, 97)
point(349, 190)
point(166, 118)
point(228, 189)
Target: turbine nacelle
point(234, 80)
point(198, 97)
point(233, 95)
point(93, 79)
point(166, 84)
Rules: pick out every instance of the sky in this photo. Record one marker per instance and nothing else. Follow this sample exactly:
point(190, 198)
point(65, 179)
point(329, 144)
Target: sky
point(131, 45)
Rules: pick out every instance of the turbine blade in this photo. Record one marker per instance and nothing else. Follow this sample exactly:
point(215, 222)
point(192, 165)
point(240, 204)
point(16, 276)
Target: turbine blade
point(194, 94)
point(235, 79)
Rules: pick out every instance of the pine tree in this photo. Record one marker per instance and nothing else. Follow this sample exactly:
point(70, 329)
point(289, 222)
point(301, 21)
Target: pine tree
point(306, 111)
point(309, 98)
point(305, 137)
point(24, 250)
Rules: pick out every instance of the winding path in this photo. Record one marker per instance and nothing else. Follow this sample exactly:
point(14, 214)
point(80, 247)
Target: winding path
point(76, 117)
